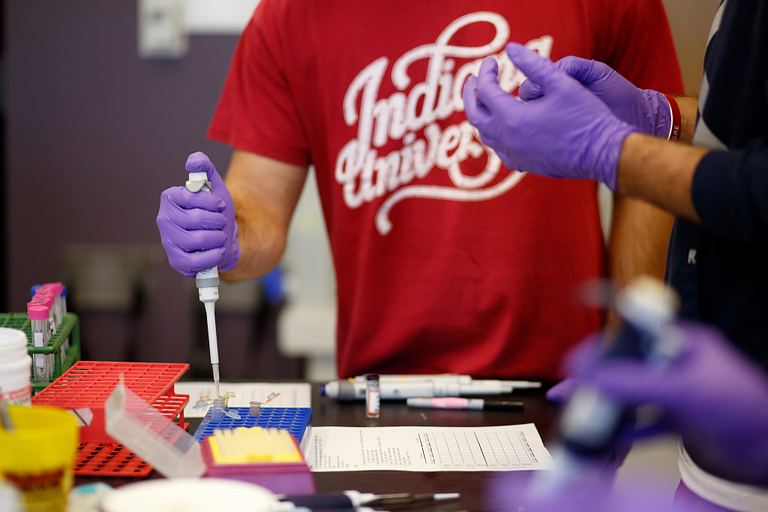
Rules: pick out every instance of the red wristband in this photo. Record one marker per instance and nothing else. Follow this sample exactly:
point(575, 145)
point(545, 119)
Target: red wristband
point(674, 132)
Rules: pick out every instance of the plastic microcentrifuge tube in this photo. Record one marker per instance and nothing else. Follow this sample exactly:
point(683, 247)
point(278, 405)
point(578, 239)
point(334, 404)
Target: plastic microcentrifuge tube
point(207, 282)
point(38, 316)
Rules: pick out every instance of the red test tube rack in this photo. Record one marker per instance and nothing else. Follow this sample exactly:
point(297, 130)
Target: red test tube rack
point(86, 386)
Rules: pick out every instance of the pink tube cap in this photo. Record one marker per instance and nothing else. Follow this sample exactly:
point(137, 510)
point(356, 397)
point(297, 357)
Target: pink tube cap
point(57, 288)
point(37, 311)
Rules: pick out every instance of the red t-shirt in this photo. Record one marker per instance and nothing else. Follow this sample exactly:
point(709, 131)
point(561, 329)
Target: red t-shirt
point(445, 260)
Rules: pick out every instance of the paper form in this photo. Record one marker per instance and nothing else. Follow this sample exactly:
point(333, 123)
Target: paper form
point(291, 394)
point(505, 448)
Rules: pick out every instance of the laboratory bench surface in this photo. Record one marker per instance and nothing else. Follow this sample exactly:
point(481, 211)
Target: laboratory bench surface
point(472, 485)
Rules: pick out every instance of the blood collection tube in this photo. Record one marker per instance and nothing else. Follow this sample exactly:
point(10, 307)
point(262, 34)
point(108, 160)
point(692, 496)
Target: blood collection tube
point(47, 298)
point(372, 396)
point(63, 296)
point(39, 318)
point(56, 289)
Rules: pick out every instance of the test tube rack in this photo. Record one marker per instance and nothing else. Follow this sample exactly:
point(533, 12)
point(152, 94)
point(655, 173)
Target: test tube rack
point(86, 386)
point(296, 420)
point(69, 328)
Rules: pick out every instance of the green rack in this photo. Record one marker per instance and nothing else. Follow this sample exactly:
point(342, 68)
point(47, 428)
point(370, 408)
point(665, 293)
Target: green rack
point(69, 328)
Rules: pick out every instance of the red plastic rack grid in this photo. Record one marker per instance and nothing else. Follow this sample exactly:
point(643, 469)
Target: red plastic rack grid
point(112, 459)
point(109, 459)
point(88, 384)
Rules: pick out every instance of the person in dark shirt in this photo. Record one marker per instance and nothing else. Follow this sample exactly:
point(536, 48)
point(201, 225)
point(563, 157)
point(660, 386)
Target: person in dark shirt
point(711, 172)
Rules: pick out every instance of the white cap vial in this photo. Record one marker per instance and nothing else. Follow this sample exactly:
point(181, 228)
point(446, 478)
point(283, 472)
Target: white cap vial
point(372, 396)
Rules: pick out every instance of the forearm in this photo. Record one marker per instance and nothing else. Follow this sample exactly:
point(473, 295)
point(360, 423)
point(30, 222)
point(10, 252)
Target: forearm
point(638, 243)
point(261, 238)
point(639, 237)
point(265, 193)
point(659, 172)
point(688, 108)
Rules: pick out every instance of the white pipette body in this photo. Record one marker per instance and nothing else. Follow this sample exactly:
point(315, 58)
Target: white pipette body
point(207, 282)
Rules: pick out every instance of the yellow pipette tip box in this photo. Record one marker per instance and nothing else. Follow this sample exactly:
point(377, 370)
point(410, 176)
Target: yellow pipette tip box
point(268, 457)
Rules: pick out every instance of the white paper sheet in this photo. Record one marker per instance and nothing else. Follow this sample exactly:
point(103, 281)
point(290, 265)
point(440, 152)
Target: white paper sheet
point(505, 448)
point(291, 394)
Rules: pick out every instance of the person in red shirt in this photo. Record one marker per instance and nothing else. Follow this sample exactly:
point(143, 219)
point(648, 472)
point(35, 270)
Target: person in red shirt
point(445, 260)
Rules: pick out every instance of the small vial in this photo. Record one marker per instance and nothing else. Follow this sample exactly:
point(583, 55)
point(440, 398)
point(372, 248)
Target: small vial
point(217, 409)
point(372, 396)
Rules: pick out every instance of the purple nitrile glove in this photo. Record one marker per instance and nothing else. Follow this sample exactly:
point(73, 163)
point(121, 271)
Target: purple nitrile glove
point(566, 133)
point(712, 394)
point(513, 492)
point(561, 392)
point(647, 109)
point(198, 230)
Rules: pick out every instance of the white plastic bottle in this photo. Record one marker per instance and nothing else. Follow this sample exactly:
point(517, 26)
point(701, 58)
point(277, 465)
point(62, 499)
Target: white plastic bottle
point(15, 365)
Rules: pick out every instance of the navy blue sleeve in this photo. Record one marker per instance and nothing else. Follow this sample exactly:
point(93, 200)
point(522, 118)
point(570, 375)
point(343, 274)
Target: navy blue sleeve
point(730, 192)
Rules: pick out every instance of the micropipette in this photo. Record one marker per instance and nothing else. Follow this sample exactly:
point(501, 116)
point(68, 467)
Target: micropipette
point(207, 282)
point(591, 420)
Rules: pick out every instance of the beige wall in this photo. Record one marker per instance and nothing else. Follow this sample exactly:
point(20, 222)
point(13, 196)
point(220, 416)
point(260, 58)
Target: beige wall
point(690, 21)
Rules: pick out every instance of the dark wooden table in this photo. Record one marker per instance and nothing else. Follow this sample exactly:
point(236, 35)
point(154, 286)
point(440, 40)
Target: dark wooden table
point(472, 485)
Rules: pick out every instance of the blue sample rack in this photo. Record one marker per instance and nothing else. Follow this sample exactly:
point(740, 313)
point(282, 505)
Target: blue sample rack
point(296, 420)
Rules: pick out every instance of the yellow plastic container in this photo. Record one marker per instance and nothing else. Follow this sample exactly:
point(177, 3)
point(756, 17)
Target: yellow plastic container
point(39, 456)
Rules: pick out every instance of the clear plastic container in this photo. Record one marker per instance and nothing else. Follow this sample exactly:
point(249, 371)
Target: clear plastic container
point(171, 450)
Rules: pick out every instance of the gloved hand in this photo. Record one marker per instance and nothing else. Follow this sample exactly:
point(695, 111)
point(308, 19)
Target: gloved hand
point(712, 394)
point(512, 492)
point(198, 230)
point(644, 108)
point(561, 392)
point(566, 133)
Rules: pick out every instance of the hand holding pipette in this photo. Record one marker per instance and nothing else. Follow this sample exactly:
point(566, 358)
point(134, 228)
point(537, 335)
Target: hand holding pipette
point(199, 234)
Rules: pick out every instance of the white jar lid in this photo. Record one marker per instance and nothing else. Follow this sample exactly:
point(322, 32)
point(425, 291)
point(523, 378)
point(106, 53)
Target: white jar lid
point(12, 341)
point(188, 495)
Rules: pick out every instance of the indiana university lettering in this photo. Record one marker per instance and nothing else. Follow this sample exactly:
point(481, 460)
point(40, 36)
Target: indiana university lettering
point(366, 175)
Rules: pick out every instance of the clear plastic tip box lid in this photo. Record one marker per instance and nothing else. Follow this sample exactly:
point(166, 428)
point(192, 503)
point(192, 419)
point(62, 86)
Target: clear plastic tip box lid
point(152, 436)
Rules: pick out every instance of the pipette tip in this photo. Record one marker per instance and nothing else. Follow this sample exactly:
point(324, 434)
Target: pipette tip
point(216, 378)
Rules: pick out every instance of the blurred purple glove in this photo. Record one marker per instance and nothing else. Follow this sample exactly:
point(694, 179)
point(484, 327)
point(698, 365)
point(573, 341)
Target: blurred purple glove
point(712, 394)
point(565, 133)
point(198, 230)
point(512, 493)
point(561, 392)
point(643, 108)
